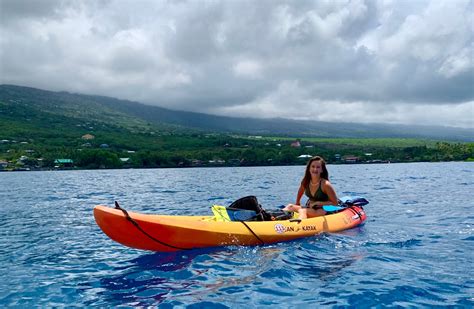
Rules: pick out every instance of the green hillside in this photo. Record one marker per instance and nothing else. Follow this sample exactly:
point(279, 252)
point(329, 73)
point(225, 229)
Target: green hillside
point(38, 128)
point(137, 117)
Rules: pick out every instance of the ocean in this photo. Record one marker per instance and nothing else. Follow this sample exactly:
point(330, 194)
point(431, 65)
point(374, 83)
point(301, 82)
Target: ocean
point(415, 249)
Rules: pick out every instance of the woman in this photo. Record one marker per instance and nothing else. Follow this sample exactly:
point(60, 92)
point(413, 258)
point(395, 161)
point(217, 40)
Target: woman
point(316, 186)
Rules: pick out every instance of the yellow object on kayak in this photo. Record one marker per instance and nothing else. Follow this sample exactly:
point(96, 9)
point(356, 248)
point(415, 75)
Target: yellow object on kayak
point(220, 213)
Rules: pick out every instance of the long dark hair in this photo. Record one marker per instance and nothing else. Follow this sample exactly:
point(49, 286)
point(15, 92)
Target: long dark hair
point(307, 174)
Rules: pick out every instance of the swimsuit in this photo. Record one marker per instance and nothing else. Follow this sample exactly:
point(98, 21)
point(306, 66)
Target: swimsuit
point(319, 196)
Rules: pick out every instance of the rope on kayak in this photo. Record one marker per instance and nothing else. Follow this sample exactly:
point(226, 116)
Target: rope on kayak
point(135, 223)
point(356, 212)
point(256, 236)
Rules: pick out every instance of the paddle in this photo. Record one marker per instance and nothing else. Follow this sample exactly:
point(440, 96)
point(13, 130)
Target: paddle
point(330, 208)
point(325, 207)
point(353, 201)
point(344, 202)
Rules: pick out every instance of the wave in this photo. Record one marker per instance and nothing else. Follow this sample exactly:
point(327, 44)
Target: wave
point(396, 244)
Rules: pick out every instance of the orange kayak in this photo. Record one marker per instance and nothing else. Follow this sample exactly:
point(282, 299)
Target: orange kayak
point(172, 233)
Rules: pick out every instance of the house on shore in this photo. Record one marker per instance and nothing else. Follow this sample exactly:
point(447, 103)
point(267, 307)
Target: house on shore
point(305, 157)
point(88, 137)
point(126, 162)
point(62, 163)
point(3, 165)
point(296, 144)
point(350, 159)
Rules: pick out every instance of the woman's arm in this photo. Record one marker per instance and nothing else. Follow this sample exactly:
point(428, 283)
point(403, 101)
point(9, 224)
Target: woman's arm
point(299, 195)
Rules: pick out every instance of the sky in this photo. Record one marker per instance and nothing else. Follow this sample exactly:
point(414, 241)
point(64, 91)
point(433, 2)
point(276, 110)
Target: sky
point(403, 62)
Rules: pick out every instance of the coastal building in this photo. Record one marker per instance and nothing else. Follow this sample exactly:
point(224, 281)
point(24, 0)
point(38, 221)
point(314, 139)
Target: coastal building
point(64, 162)
point(350, 159)
point(196, 162)
point(88, 137)
point(3, 165)
point(126, 162)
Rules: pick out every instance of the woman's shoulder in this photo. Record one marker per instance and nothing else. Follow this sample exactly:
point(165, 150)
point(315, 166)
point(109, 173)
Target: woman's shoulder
point(325, 182)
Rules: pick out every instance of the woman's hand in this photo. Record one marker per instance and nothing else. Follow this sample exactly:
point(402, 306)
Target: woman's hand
point(292, 207)
point(316, 203)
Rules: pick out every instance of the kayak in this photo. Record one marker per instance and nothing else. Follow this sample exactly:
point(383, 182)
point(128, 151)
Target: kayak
point(172, 233)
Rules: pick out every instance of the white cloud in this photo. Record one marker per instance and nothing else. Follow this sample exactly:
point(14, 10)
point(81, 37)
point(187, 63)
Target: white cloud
point(372, 61)
point(459, 63)
point(248, 69)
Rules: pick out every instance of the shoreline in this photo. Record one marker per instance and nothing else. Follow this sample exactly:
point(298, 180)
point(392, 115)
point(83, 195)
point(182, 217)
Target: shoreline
point(208, 166)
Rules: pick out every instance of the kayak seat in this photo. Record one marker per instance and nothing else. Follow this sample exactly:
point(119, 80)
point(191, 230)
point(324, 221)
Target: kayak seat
point(250, 203)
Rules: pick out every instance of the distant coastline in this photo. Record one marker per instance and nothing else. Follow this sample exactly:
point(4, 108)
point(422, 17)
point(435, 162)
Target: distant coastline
point(212, 166)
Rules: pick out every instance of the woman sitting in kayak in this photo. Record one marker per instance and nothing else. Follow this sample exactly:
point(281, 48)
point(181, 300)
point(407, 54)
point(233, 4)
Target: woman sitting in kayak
point(317, 187)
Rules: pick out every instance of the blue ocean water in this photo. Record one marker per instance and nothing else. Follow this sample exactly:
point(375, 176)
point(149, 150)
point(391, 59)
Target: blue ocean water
point(416, 248)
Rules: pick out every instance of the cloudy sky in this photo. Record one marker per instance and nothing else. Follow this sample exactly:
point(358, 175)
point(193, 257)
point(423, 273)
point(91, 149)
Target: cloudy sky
point(405, 61)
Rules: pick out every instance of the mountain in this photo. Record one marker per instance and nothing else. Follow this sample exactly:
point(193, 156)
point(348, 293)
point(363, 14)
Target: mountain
point(135, 116)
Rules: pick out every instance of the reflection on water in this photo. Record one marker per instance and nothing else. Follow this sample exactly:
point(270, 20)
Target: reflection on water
point(324, 270)
point(185, 274)
point(151, 279)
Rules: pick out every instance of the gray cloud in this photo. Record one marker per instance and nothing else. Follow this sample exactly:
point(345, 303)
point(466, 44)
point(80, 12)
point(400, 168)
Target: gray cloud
point(14, 10)
point(366, 61)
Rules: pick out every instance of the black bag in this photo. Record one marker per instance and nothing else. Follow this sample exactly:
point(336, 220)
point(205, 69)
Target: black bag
point(348, 201)
point(279, 214)
point(250, 203)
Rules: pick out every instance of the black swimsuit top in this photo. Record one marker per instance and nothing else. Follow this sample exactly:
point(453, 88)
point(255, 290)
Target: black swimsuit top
point(319, 195)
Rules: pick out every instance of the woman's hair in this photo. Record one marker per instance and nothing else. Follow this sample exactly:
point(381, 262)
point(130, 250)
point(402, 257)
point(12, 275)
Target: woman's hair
point(307, 174)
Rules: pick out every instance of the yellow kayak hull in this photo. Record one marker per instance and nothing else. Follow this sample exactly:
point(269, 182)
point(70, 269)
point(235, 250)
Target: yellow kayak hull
point(172, 233)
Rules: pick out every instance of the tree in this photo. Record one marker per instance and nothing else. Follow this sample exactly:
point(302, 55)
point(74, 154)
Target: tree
point(98, 159)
